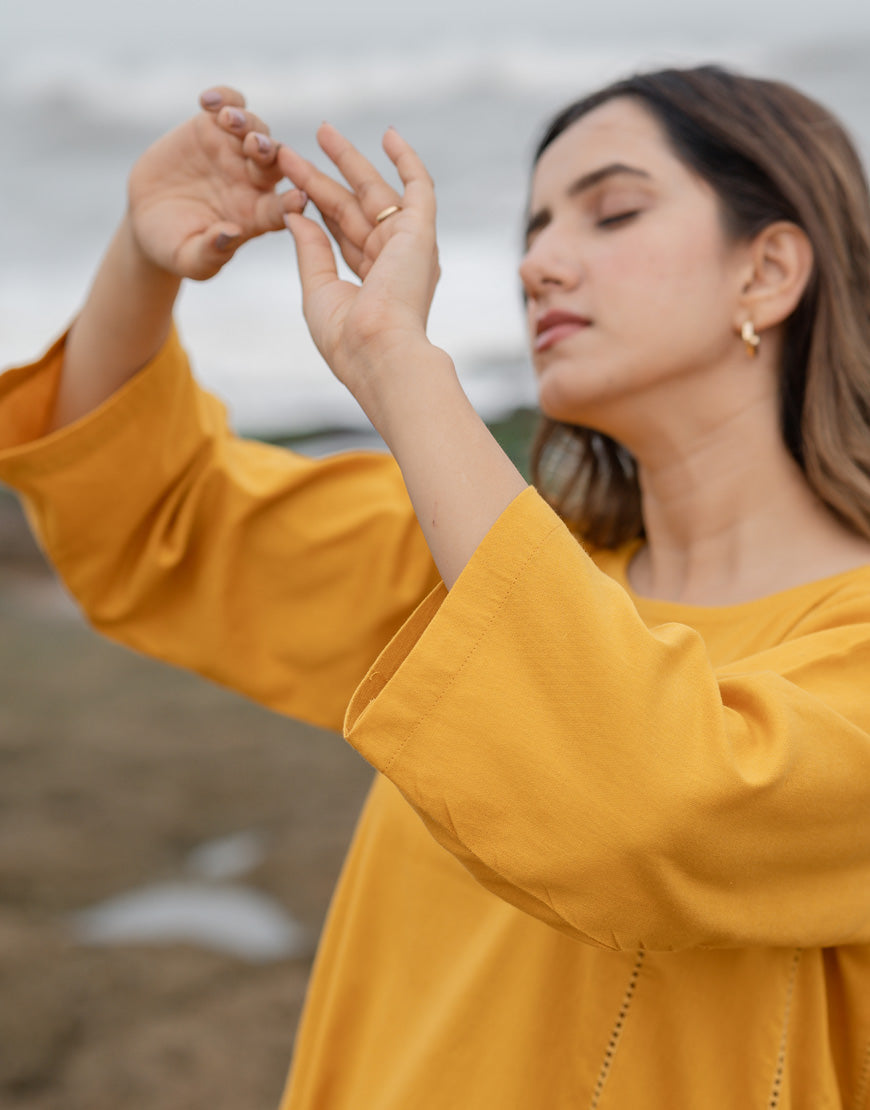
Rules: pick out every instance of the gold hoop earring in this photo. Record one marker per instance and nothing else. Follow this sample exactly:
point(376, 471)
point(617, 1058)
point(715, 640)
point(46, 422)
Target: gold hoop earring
point(751, 338)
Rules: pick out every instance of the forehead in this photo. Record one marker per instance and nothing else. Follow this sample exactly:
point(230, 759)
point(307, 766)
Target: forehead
point(618, 131)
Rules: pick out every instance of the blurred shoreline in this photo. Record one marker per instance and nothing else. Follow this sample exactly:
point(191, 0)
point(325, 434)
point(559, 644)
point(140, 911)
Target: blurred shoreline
point(116, 771)
point(513, 431)
point(124, 787)
point(118, 775)
point(81, 110)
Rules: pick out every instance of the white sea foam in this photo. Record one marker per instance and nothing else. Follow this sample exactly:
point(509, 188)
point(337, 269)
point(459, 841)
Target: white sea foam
point(149, 92)
point(232, 919)
point(81, 103)
point(250, 344)
point(228, 857)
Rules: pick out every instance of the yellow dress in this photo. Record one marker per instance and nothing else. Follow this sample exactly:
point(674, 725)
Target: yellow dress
point(618, 852)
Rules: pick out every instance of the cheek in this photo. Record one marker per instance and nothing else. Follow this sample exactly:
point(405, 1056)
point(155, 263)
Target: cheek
point(667, 281)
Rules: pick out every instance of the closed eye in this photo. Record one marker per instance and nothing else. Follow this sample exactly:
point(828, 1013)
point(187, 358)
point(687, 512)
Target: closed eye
point(619, 218)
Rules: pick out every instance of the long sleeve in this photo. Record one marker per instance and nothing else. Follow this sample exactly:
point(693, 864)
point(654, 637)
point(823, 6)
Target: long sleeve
point(606, 776)
point(279, 576)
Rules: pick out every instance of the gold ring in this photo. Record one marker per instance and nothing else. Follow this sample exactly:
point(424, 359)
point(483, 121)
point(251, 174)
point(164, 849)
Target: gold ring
point(387, 212)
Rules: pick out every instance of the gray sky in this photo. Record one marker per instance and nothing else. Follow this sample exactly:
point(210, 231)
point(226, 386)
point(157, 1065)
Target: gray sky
point(298, 28)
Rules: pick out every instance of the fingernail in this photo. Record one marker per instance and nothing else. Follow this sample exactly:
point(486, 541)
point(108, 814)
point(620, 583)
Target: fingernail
point(264, 143)
point(211, 98)
point(235, 117)
point(303, 196)
point(224, 241)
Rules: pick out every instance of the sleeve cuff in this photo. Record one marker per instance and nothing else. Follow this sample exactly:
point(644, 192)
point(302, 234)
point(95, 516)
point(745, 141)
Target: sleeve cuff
point(27, 396)
point(431, 650)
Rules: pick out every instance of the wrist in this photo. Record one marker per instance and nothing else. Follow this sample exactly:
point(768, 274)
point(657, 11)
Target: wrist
point(122, 324)
point(458, 477)
point(405, 385)
point(139, 264)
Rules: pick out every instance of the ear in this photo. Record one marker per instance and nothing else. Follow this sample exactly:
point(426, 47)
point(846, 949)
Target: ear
point(779, 265)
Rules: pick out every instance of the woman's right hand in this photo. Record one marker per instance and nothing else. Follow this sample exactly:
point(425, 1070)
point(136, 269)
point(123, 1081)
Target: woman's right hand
point(206, 187)
point(195, 196)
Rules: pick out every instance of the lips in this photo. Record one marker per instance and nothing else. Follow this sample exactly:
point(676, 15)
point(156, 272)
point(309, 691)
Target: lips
point(557, 325)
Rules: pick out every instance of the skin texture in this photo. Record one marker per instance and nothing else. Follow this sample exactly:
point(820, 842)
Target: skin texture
point(641, 256)
point(373, 336)
point(194, 197)
point(638, 256)
point(644, 257)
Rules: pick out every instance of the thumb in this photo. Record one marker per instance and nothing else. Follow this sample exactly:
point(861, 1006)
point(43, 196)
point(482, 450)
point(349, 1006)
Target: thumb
point(314, 256)
point(203, 254)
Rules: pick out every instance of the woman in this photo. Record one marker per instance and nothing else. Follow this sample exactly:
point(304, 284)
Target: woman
point(618, 852)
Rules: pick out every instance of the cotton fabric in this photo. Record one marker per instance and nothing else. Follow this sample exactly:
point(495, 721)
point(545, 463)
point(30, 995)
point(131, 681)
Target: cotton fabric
point(617, 854)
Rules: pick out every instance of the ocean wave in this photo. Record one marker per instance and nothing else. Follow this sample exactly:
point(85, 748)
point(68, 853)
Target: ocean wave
point(98, 89)
point(249, 343)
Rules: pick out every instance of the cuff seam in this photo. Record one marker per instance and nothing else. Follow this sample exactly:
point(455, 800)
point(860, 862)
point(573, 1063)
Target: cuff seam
point(65, 445)
point(472, 648)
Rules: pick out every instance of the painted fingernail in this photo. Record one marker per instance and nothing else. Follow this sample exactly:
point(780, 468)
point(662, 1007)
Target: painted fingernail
point(211, 98)
point(224, 241)
point(264, 143)
point(235, 117)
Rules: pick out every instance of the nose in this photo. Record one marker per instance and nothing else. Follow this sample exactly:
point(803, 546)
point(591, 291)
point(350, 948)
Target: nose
point(547, 263)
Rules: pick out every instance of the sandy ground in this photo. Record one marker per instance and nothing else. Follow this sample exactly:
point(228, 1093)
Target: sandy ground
point(112, 769)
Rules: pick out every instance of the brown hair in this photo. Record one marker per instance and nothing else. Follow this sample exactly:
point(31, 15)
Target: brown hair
point(770, 153)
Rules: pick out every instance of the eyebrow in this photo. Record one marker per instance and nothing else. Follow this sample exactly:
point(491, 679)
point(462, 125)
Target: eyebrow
point(582, 185)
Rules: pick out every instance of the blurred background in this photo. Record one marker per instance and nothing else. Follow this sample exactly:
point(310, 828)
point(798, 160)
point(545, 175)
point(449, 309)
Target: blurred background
point(166, 849)
point(87, 86)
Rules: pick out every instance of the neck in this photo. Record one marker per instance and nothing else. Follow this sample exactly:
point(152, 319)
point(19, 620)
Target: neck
point(728, 513)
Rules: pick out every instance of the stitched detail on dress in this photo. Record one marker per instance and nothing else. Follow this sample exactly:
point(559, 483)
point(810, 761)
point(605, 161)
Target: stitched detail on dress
point(776, 1089)
point(863, 1088)
point(532, 555)
point(616, 1033)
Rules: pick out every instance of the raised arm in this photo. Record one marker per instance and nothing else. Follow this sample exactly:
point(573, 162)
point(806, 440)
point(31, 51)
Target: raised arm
point(607, 777)
point(194, 197)
point(634, 786)
point(374, 338)
point(274, 574)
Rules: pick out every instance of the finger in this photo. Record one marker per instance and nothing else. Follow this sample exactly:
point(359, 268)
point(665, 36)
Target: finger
point(213, 99)
point(260, 148)
point(271, 208)
point(293, 200)
point(337, 204)
point(419, 186)
point(203, 254)
point(261, 153)
point(314, 255)
point(350, 252)
point(371, 190)
point(239, 121)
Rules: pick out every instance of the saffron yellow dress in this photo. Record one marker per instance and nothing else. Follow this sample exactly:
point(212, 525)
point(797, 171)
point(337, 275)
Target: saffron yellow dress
point(617, 855)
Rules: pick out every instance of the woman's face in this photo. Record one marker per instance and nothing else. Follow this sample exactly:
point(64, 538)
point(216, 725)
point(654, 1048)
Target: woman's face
point(632, 285)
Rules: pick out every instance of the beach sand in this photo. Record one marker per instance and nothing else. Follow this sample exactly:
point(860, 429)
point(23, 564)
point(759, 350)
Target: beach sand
point(112, 770)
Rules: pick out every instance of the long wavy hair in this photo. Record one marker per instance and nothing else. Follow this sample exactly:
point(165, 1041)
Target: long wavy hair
point(770, 153)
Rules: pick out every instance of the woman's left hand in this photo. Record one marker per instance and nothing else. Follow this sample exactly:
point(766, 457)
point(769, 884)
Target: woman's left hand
point(372, 332)
point(373, 336)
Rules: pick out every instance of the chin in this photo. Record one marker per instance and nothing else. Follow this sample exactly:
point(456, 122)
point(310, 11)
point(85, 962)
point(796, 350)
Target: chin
point(556, 412)
point(592, 397)
point(564, 405)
